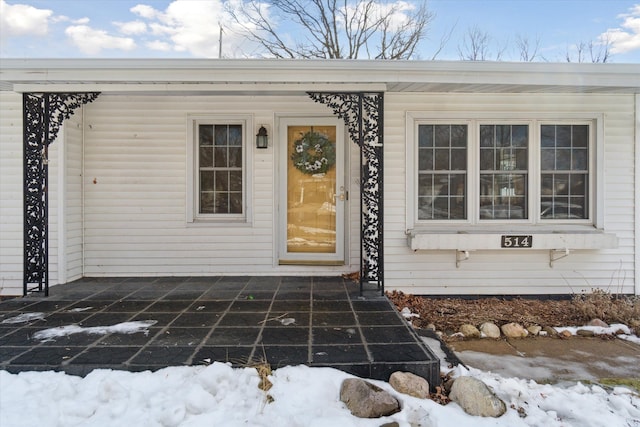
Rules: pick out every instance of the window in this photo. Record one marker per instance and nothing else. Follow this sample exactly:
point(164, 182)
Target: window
point(217, 163)
point(487, 171)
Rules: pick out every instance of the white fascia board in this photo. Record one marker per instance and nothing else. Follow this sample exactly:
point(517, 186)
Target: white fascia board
point(199, 88)
point(83, 71)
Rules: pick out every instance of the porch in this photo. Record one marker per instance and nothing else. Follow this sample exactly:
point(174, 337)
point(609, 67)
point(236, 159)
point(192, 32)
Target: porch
point(316, 321)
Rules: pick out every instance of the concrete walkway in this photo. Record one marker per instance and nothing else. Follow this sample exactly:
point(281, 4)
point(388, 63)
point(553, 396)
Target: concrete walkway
point(545, 359)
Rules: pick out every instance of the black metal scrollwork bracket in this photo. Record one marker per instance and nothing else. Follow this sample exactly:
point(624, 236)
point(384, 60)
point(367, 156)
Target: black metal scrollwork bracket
point(362, 113)
point(44, 114)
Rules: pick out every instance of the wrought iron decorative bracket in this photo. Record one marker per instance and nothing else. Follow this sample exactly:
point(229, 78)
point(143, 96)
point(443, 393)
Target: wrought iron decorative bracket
point(363, 114)
point(43, 115)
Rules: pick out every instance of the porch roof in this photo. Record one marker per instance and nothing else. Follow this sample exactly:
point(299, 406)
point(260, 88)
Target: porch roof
point(299, 76)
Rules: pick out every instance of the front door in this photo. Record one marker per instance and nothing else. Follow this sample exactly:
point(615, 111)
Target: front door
point(312, 189)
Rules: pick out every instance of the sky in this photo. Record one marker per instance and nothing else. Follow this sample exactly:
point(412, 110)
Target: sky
point(192, 28)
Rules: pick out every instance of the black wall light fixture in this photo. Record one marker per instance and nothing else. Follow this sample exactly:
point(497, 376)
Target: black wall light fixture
point(262, 139)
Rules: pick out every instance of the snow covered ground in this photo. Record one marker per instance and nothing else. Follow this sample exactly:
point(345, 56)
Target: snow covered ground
point(219, 395)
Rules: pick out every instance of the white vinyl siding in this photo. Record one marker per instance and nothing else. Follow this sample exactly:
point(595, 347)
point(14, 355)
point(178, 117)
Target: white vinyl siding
point(136, 182)
point(511, 271)
point(11, 263)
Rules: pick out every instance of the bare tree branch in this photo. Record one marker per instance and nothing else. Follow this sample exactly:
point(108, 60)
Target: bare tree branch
point(528, 50)
point(334, 28)
point(475, 45)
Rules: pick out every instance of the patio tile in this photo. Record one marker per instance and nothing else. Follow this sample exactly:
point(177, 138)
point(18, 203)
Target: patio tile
point(204, 319)
point(250, 306)
point(336, 335)
point(290, 335)
point(237, 355)
point(286, 306)
point(333, 318)
point(169, 306)
point(379, 318)
point(284, 319)
point(386, 335)
point(166, 356)
point(196, 320)
point(111, 355)
point(205, 306)
point(50, 356)
point(279, 356)
point(180, 337)
point(243, 319)
point(339, 354)
point(106, 319)
point(233, 336)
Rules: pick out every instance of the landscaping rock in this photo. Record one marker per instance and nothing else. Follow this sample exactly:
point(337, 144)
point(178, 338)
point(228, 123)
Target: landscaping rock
point(565, 334)
point(411, 384)
point(514, 330)
point(534, 330)
point(550, 331)
point(490, 330)
point(469, 331)
point(584, 333)
point(598, 322)
point(365, 400)
point(476, 398)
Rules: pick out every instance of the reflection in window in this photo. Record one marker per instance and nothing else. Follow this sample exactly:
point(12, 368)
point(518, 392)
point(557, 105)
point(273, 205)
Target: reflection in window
point(564, 171)
point(220, 169)
point(503, 171)
point(442, 172)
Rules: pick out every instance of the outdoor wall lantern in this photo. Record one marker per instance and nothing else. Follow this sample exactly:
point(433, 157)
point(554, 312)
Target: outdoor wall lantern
point(262, 139)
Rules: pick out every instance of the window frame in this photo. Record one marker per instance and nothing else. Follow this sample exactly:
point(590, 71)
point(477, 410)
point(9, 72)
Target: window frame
point(534, 120)
point(193, 215)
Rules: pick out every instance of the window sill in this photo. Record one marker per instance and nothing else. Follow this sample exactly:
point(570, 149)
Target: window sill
point(567, 238)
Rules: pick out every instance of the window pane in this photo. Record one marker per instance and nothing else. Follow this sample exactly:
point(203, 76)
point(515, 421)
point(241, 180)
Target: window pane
point(220, 157)
point(206, 157)
point(206, 181)
point(504, 148)
point(205, 133)
point(564, 172)
point(425, 136)
point(442, 194)
point(220, 175)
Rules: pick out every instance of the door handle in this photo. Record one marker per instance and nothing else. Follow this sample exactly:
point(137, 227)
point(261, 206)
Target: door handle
point(344, 195)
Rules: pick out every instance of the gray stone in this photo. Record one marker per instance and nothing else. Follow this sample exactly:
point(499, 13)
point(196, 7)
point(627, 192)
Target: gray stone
point(475, 398)
point(490, 330)
point(598, 322)
point(584, 333)
point(411, 384)
point(469, 331)
point(534, 330)
point(365, 400)
point(514, 330)
point(550, 331)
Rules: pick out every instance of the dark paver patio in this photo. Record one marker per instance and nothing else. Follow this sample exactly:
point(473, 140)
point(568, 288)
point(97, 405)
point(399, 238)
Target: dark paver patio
point(316, 321)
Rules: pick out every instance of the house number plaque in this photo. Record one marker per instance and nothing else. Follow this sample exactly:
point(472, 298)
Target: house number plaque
point(525, 241)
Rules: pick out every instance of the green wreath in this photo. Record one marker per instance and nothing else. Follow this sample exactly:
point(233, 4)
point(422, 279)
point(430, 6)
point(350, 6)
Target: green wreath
point(313, 153)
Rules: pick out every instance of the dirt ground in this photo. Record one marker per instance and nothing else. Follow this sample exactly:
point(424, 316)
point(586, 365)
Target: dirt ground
point(448, 314)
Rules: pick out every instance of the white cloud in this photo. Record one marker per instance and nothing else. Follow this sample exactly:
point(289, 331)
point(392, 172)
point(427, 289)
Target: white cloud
point(23, 20)
point(131, 27)
point(159, 45)
point(627, 37)
point(91, 41)
point(192, 26)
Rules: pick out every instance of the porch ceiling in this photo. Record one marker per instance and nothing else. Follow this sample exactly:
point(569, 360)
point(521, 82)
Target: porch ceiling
point(290, 76)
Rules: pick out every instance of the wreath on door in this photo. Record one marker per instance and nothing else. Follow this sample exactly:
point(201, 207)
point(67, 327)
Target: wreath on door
point(313, 153)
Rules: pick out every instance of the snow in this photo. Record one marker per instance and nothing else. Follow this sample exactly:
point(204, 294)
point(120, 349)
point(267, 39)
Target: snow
point(24, 318)
point(120, 328)
point(219, 395)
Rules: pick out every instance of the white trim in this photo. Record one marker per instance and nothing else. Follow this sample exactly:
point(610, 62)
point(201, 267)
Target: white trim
point(636, 146)
point(247, 122)
point(280, 236)
point(61, 200)
point(533, 119)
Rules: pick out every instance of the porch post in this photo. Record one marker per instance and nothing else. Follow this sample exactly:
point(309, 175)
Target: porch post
point(362, 113)
point(43, 115)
